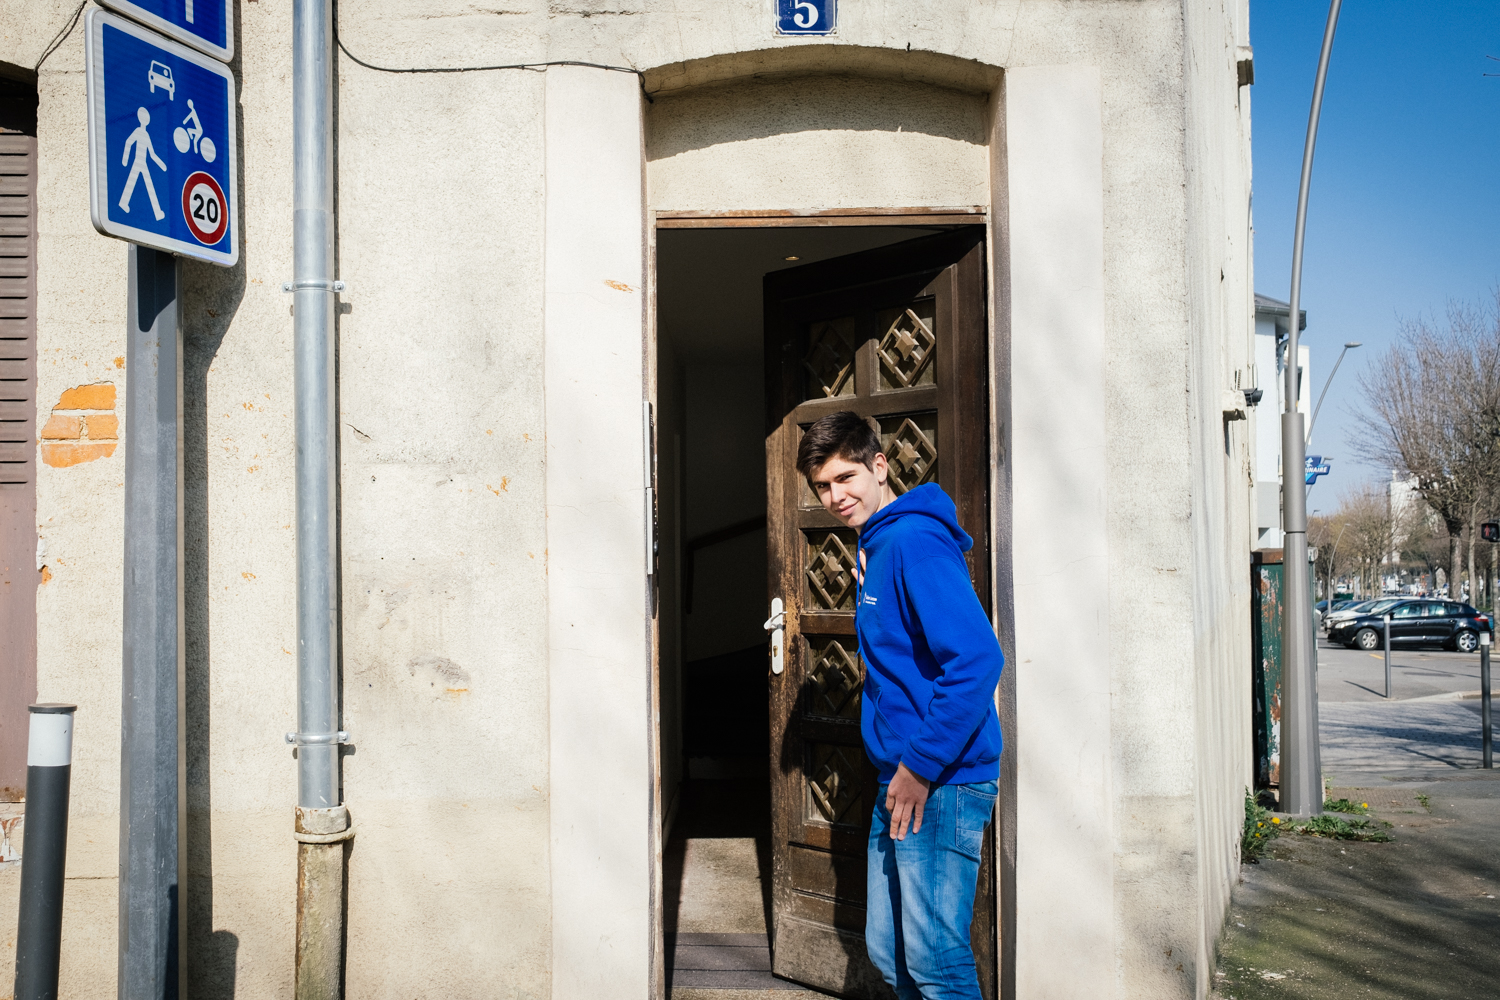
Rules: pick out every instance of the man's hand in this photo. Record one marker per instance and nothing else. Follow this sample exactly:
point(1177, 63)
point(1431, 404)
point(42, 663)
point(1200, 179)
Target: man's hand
point(906, 797)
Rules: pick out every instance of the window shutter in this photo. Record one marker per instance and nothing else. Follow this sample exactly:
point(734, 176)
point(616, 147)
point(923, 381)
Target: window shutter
point(18, 448)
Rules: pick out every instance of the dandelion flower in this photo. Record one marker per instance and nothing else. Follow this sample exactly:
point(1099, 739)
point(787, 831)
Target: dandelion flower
point(1275, 819)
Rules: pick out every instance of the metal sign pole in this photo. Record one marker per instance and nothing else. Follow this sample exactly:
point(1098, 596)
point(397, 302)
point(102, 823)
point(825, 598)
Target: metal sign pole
point(152, 807)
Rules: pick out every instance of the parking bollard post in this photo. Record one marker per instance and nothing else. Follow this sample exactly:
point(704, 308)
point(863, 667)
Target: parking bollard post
point(1385, 643)
point(44, 848)
point(1484, 696)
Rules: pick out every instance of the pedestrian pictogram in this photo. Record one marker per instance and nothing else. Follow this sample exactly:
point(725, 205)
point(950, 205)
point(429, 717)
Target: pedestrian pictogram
point(161, 133)
point(140, 142)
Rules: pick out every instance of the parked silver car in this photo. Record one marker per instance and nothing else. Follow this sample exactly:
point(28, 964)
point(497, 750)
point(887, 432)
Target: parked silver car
point(1375, 607)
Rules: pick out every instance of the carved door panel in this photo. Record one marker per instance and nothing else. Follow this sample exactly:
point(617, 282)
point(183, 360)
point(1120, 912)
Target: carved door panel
point(898, 335)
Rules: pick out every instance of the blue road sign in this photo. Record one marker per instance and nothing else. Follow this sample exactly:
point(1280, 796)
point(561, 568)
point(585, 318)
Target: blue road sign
point(162, 164)
point(806, 17)
point(206, 25)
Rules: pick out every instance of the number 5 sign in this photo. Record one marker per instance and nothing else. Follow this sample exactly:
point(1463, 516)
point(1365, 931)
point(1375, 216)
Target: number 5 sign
point(806, 17)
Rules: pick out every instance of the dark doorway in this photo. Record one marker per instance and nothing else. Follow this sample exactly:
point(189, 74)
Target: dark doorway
point(715, 703)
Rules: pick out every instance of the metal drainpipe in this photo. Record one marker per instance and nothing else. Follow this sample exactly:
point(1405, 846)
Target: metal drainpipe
point(322, 822)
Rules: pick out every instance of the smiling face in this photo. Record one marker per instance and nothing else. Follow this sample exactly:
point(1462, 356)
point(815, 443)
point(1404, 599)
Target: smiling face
point(852, 491)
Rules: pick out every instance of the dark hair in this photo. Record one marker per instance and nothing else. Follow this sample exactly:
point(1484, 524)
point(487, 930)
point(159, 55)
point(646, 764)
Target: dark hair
point(845, 435)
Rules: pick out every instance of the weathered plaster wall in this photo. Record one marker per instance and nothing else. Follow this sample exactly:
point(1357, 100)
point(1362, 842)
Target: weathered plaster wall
point(445, 538)
point(451, 648)
point(1221, 295)
point(443, 533)
point(238, 507)
point(840, 142)
point(1065, 807)
point(605, 851)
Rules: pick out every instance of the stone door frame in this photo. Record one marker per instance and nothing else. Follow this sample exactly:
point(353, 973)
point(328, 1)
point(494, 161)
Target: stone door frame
point(1046, 259)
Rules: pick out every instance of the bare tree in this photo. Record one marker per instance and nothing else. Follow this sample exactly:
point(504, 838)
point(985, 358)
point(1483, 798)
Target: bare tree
point(1425, 546)
point(1327, 534)
point(1369, 532)
point(1433, 412)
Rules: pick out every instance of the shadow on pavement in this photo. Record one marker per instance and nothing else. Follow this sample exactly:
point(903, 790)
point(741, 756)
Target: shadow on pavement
point(1416, 919)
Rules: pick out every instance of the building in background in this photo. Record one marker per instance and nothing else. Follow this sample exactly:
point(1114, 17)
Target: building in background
point(1272, 328)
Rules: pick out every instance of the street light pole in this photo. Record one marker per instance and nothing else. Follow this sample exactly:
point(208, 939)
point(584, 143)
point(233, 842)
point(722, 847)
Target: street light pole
point(1333, 562)
point(1317, 409)
point(1301, 770)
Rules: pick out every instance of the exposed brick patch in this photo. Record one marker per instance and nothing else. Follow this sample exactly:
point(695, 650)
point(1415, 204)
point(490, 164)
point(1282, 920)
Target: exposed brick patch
point(103, 427)
point(82, 427)
point(99, 396)
point(61, 428)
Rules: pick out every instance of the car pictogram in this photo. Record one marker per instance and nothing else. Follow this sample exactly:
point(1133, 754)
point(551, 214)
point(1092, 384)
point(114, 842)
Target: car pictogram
point(160, 75)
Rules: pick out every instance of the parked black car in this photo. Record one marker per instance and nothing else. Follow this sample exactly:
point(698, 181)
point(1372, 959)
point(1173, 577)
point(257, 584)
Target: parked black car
point(1416, 622)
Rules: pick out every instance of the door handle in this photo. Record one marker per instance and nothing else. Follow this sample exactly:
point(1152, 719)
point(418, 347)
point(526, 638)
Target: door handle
point(776, 626)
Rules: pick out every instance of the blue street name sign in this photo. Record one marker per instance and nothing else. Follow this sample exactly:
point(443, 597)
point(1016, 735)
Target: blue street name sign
point(206, 25)
point(806, 17)
point(1317, 467)
point(162, 164)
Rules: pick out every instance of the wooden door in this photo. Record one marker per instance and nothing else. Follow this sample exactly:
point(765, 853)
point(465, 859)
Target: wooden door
point(897, 335)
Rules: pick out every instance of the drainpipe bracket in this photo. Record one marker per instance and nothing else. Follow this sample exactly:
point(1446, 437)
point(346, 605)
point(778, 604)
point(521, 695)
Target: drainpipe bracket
point(326, 286)
point(324, 838)
point(317, 739)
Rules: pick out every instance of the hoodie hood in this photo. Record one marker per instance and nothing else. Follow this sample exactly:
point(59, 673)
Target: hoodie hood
point(927, 500)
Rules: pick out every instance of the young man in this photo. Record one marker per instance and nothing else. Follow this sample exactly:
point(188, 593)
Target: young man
point(927, 710)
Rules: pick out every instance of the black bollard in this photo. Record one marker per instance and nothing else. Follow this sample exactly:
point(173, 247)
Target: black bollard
point(44, 849)
point(1484, 696)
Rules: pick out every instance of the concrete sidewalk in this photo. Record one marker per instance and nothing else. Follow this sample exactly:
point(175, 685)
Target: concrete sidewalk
point(1416, 919)
point(1366, 742)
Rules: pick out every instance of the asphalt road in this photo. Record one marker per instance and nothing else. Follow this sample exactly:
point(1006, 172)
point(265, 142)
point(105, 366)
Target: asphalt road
point(1357, 675)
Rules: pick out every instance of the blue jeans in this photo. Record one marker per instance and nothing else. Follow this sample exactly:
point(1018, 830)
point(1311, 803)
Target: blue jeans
point(921, 894)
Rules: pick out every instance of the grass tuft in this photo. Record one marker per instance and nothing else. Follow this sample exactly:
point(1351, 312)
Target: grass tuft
point(1345, 806)
point(1260, 829)
point(1338, 828)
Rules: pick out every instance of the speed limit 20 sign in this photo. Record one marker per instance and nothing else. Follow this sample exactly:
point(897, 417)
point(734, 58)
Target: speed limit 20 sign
point(204, 208)
point(806, 17)
point(162, 149)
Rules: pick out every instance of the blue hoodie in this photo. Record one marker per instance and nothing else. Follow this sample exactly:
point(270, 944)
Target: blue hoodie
point(931, 657)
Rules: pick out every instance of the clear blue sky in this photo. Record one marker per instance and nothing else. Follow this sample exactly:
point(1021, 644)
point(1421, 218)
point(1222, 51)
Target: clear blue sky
point(1404, 214)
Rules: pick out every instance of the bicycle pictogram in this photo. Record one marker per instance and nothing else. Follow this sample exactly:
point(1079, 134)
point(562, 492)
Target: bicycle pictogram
point(193, 136)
